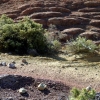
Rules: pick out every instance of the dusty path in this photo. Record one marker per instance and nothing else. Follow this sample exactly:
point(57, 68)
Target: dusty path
point(79, 73)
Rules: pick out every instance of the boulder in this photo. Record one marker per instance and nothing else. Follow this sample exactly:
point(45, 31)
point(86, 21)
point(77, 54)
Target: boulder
point(45, 15)
point(92, 3)
point(13, 16)
point(95, 30)
point(59, 9)
point(95, 23)
point(91, 35)
point(22, 7)
point(97, 17)
point(41, 21)
point(64, 21)
point(55, 21)
point(89, 9)
point(73, 31)
point(31, 10)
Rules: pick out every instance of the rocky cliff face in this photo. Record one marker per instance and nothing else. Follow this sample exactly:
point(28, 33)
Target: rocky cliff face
point(71, 17)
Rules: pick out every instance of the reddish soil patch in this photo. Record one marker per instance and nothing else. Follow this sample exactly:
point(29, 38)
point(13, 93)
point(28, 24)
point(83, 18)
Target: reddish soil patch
point(10, 85)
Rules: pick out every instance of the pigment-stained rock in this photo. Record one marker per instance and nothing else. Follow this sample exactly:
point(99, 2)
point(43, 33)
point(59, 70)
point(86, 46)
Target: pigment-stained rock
point(92, 3)
point(95, 23)
point(45, 15)
point(31, 10)
point(72, 31)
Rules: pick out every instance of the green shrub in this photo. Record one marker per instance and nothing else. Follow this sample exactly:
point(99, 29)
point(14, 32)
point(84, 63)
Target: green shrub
point(83, 94)
point(22, 36)
point(82, 45)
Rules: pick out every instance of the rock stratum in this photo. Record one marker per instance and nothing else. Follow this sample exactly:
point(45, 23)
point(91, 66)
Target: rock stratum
point(71, 17)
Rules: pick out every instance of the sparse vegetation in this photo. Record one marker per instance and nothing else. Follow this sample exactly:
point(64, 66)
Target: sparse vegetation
point(83, 94)
point(82, 45)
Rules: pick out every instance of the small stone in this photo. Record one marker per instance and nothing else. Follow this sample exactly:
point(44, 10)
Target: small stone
point(11, 65)
point(88, 88)
point(22, 90)
point(24, 60)
point(22, 64)
point(42, 86)
point(76, 69)
point(3, 63)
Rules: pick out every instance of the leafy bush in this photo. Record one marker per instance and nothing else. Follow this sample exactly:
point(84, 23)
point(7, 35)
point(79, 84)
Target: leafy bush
point(82, 45)
point(22, 36)
point(83, 94)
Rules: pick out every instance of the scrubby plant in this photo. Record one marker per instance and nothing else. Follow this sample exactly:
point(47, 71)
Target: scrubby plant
point(81, 44)
point(56, 45)
point(22, 36)
point(83, 94)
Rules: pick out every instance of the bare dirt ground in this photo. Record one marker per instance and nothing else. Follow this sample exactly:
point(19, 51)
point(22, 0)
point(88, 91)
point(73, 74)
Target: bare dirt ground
point(71, 70)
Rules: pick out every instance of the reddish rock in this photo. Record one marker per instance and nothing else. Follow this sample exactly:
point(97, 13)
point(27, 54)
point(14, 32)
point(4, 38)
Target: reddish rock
point(89, 10)
point(55, 21)
point(91, 35)
point(41, 21)
point(72, 31)
point(92, 3)
point(82, 14)
point(59, 9)
point(76, 5)
point(97, 17)
point(45, 15)
point(71, 21)
point(13, 16)
point(95, 23)
point(31, 10)
point(64, 21)
point(13, 12)
point(22, 7)
point(95, 30)
point(97, 42)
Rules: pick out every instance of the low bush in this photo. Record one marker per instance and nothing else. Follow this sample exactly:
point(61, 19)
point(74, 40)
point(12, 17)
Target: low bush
point(83, 94)
point(82, 45)
point(22, 36)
